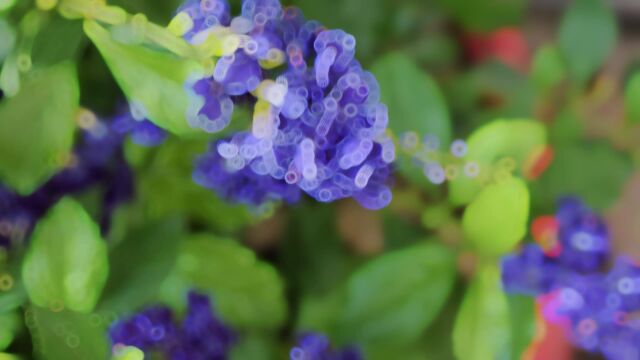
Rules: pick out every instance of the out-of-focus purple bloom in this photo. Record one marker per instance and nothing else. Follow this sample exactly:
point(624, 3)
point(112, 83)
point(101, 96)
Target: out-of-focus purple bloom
point(142, 132)
point(318, 124)
point(200, 335)
point(313, 346)
point(601, 307)
point(583, 235)
point(97, 160)
point(529, 272)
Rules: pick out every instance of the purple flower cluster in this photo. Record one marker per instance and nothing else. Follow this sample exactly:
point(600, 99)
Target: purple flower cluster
point(201, 335)
point(318, 124)
point(317, 347)
point(602, 307)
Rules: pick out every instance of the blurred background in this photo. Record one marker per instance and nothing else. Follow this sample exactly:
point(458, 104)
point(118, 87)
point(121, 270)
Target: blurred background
point(446, 67)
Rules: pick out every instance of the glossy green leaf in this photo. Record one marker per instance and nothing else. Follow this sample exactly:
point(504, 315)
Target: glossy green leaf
point(246, 292)
point(10, 324)
point(67, 335)
point(151, 78)
point(548, 68)
point(394, 298)
point(497, 219)
point(415, 104)
point(66, 264)
point(517, 139)
point(632, 98)
point(593, 171)
point(37, 126)
point(482, 326)
point(587, 36)
point(140, 263)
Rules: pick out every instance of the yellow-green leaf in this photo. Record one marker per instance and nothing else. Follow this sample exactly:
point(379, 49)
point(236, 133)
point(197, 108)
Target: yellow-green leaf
point(66, 265)
point(151, 78)
point(37, 126)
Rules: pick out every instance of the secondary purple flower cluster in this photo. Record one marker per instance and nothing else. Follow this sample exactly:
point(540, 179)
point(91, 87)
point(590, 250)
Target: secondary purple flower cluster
point(318, 124)
point(601, 306)
point(314, 346)
point(97, 161)
point(200, 335)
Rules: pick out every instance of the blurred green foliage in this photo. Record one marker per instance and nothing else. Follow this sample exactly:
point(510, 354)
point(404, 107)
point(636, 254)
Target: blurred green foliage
point(405, 299)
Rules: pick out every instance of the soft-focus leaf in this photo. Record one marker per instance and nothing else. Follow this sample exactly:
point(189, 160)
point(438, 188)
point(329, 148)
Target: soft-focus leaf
point(482, 328)
point(587, 36)
point(321, 313)
point(485, 15)
point(515, 139)
point(593, 171)
point(522, 310)
point(348, 15)
point(632, 98)
point(314, 258)
point(140, 263)
point(548, 68)
point(10, 323)
point(165, 187)
point(415, 104)
point(36, 127)
point(392, 299)
point(66, 264)
point(246, 292)
point(48, 47)
point(149, 77)
point(254, 347)
point(67, 335)
point(497, 219)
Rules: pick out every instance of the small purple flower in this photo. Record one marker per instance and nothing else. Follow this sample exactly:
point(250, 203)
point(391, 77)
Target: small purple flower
point(318, 129)
point(200, 335)
point(602, 308)
point(313, 346)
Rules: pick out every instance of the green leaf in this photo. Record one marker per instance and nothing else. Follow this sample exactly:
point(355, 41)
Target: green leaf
point(314, 258)
point(246, 292)
point(48, 48)
point(66, 264)
point(593, 171)
point(151, 78)
point(321, 313)
point(10, 324)
point(8, 34)
point(415, 104)
point(517, 139)
point(485, 15)
point(632, 98)
point(254, 347)
point(169, 171)
point(37, 126)
point(482, 327)
point(67, 335)
point(497, 219)
point(393, 299)
point(587, 35)
point(140, 263)
point(523, 323)
point(348, 15)
point(548, 68)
